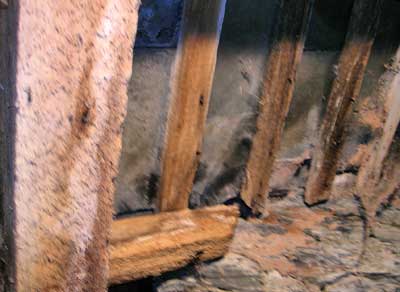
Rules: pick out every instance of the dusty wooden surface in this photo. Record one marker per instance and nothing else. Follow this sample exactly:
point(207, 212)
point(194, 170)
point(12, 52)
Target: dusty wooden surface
point(275, 100)
point(345, 89)
point(150, 245)
point(72, 61)
point(372, 184)
point(190, 92)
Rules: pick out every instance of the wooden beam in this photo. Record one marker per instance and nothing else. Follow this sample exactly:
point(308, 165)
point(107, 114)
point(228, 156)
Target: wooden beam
point(369, 179)
point(70, 64)
point(280, 76)
point(190, 92)
point(345, 89)
point(150, 245)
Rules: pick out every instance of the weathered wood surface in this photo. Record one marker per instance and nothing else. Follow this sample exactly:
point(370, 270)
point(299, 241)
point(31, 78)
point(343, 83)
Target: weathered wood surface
point(371, 181)
point(190, 92)
point(345, 89)
point(280, 76)
point(72, 60)
point(150, 245)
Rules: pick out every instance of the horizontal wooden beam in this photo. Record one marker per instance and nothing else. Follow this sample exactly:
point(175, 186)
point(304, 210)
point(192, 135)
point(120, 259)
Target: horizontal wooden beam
point(153, 244)
point(345, 90)
point(191, 85)
point(278, 87)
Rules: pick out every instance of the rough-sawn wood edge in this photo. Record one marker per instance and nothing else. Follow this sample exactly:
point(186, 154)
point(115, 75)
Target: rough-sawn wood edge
point(150, 245)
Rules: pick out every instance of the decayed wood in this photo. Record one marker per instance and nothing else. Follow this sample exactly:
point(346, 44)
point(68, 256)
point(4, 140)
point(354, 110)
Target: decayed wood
point(150, 245)
point(285, 55)
point(190, 92)
point(345, 89)
point(370, 178)
point(72, 63)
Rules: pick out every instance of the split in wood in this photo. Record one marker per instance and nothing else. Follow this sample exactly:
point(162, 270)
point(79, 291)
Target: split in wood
point(154, 244)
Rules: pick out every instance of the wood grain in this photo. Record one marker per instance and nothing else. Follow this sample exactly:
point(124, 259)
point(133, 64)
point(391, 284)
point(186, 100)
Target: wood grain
point(278, 86)
point(371, 181)
point(345, 89)
point(190, 92)
point(71, 63)
point(150, 245)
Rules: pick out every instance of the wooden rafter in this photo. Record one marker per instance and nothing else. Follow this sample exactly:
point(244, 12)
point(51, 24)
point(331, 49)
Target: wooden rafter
point(345, 89)
point(370, 180)
point(190, 92)
point(280, 76)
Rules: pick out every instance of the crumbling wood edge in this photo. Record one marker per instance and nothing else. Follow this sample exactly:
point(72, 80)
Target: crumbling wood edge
point(372, 183)
point(278, 87)
point(153, 244)
point(345, 90)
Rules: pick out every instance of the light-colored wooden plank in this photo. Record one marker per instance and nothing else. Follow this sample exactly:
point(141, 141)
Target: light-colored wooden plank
point(284, 57)
point(345, 89)
point(190, 92)
point(370, 181)
point(150, 245)
point(71, 63)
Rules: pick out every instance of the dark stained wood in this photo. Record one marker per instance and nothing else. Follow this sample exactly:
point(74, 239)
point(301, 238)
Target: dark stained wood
point(345, 89)
point(280, 76)
point(190, 91)
point(150, 245)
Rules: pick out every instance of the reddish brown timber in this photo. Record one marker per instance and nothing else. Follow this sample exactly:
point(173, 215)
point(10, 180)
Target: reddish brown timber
point(71, 64)
point(150, 245)
point(190, 92)
point(372, 183)
point(345, 89)
point(280, 76)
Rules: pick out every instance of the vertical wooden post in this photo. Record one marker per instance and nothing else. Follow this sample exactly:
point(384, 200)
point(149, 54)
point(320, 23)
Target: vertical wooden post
point(345, 89)
point(190, 92)
point(370, 173)
point(280, 76)
point(71, 64)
